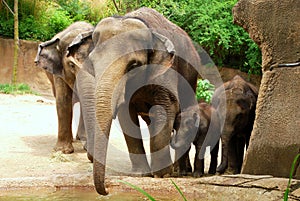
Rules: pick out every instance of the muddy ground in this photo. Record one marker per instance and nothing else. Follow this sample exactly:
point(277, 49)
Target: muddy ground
point(28, 131)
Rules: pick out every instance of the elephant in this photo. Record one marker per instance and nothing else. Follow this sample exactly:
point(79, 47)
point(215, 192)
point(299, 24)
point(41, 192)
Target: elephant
point(240, 103)
point(144, 66)
point(51, 57)
point(201, 126)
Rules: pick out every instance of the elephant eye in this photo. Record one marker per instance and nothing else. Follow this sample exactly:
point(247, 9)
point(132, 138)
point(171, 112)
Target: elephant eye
point(71, 64)
point(133, 64)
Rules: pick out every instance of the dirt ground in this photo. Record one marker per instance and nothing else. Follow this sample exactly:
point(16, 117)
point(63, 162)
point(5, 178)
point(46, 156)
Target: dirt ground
point(28, 131)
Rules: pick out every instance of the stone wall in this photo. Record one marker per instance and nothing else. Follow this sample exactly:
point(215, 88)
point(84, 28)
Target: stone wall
point(27, 72)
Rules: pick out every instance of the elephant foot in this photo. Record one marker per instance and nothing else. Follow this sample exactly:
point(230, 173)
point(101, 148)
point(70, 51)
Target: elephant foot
point(198, 174)
point(221, 169)
point(141, 172)
point(90, 157)
point(81, 136)
point(85, 146)
point(163, 173)
point(231, 171)
point(66, 148)
point(212, 172)
point(183, 173)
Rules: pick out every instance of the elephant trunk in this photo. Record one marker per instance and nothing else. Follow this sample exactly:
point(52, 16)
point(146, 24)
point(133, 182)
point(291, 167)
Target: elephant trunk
point(85, 86)
point(178, 141)
point(106, 106)
point(174, 143)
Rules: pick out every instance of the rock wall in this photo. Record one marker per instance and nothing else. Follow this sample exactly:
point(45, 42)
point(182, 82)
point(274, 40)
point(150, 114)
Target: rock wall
point(275, 139)
point(27, 72)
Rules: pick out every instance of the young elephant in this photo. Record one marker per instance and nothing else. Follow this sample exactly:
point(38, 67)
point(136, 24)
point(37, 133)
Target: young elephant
point(239, 99)
point(199, 125)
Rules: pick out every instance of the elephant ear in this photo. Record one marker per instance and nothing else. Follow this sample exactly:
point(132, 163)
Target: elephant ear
point(78, 40)
point(45, 44)
point(48, 56)
point(163, 53)
point(79, 49)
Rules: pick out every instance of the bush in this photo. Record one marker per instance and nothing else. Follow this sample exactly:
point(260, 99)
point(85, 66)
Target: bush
point(208, 22)
point(15, 89)
point(41, 20)
point(204, 90)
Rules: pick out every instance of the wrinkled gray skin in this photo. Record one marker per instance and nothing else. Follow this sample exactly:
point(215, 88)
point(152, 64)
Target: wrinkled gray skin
point(239, 116)
point(197, 121)
point(128, 49)
point(52, 57)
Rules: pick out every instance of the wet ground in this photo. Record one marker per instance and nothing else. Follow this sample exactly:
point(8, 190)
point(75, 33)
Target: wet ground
point(30, 170)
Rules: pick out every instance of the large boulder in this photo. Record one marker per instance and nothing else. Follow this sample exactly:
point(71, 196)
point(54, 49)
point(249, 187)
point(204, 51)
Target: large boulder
point(275, 141)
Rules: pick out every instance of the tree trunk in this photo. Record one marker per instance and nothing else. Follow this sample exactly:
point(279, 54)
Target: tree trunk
point(16, 42)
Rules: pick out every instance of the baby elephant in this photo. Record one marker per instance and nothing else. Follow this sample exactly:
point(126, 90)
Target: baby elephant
point(235, 103)
point(199, 125)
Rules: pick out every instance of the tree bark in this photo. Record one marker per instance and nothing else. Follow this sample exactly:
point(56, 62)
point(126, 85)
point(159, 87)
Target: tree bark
point(16, 42)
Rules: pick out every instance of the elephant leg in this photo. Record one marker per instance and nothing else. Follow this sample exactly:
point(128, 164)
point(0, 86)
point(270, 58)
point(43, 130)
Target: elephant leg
point(213, 159)
point(224, 160)
point(241, 141)
point(189, 168)
point(233, 155)
point(247, 138)
point(64, 113)
point(81, 135)
point(160, 133)
point(182, 163)
point(85, 88)
point(134, 141)
point(198, 163)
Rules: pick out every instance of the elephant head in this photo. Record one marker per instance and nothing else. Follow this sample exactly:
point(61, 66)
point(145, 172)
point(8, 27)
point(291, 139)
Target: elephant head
point(186, 127)
point(76, 55)
point(51, 54)
point(198, 123)
point(240, 101)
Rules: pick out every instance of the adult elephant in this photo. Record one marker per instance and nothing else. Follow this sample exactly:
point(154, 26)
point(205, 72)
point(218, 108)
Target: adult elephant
point(51, 56)
point(144, 65)
point(240, 103)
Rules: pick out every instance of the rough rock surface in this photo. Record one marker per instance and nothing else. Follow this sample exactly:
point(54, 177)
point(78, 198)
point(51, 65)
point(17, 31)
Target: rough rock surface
point(275, 140)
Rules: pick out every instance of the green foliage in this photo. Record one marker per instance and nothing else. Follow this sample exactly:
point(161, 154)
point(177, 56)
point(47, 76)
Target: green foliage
point(138, 189)
point(147, 194)
point(178, 189)
point(7, 27)
point(59, 20)
point(287, 191)
point(208, 22)
point(204, 90)
point(41, 20)
point(15, 89)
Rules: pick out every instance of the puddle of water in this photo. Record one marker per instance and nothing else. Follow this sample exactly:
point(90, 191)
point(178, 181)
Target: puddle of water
point(74, 195)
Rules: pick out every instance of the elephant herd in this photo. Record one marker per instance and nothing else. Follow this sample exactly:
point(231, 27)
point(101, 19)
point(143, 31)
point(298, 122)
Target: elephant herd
point(141, 64)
